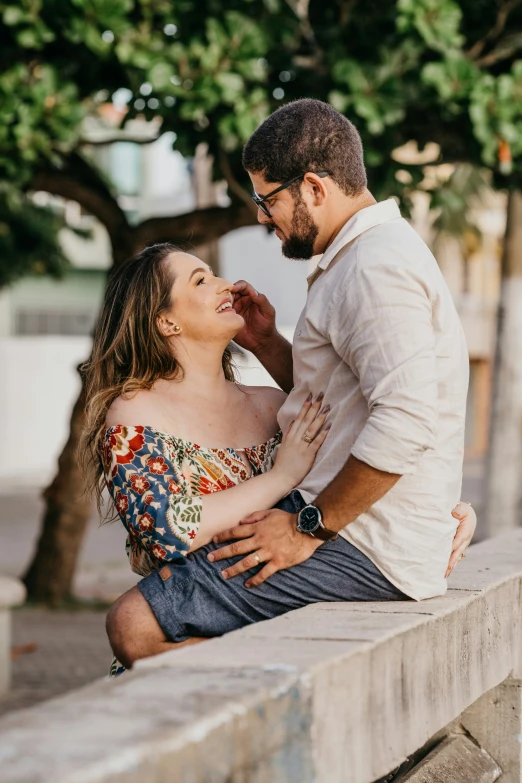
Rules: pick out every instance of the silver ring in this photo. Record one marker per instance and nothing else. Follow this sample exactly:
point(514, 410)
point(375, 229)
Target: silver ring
point(307, 439)
point(258, 559)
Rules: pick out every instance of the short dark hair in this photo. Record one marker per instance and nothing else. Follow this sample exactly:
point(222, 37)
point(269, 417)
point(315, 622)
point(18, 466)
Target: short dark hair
point(307, 135)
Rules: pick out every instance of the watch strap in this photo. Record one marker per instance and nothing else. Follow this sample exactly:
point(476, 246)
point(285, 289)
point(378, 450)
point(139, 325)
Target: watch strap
point(324, 534)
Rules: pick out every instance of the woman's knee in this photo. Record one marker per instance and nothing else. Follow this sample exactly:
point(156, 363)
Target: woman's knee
point(122, 624)
point(132, 627)
point(116, 625)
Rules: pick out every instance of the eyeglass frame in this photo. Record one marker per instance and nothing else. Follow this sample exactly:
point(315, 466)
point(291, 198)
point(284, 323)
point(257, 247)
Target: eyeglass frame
point(259, 200)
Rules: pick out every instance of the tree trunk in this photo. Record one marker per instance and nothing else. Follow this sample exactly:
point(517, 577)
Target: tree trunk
point(503, 506)
point(50, 575)
point(206, 196)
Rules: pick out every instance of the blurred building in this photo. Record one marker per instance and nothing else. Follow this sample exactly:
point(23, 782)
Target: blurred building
point(474, 281)
point(45, 325)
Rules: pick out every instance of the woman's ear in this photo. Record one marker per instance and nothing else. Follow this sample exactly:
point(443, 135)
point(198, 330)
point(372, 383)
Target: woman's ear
point(166, 326)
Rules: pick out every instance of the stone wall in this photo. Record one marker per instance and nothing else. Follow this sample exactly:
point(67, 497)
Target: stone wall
point(333, 693)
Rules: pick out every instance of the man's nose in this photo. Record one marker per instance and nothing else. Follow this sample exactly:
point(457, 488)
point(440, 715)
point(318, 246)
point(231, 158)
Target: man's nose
point(262, 217)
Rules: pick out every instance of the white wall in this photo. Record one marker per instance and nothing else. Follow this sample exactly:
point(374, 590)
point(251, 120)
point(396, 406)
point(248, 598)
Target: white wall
point(38, 386)
point(254, 255)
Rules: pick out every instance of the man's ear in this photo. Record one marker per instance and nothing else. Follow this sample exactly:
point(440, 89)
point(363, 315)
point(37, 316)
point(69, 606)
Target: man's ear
point(316, 187)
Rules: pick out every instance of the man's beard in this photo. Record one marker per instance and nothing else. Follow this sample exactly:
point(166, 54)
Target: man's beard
point(300, 243)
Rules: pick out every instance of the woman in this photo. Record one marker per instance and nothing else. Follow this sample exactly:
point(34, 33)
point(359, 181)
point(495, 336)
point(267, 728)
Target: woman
point(159, 383)
point(147, 412)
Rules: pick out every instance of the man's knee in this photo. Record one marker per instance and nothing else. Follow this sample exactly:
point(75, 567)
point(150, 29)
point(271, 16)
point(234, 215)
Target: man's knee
point(132, 628)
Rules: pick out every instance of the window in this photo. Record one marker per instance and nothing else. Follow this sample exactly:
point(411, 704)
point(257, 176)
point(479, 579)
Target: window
point(66, 322)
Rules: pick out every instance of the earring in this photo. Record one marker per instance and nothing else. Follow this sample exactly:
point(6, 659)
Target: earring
point(176, 329)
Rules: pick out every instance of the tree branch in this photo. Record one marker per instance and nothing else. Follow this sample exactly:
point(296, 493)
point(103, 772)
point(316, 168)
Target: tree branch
point(119, 137)
point(505, 49)
point(78, 181)
point(301, 10)
point(505, 8)
point(345, 12)
point(233, 184)
point(195, 228)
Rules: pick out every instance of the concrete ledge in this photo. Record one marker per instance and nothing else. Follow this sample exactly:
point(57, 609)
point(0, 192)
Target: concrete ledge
point(333, 693)
point(456, 759)
point(12, 593)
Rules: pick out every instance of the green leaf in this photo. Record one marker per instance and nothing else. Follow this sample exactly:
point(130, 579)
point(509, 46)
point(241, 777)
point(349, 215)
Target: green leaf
point(13, 15)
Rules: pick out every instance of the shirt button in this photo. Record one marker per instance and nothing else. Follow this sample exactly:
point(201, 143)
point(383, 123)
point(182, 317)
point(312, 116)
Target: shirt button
point(299, 333)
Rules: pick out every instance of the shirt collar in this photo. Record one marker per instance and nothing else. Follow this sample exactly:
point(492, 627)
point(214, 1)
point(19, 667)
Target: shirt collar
point(366, 218)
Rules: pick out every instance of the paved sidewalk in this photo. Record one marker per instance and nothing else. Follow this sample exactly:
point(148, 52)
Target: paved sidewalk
point(71, 650)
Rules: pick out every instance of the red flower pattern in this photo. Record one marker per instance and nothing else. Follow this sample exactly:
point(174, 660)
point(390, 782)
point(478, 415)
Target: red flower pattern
point(145, 522)
point(139, 483)
point(157, 465)
point(206, 486)
point(225, 483)
point(158, 551)
point(122, 503)
point(174, 486)
point(122, 447)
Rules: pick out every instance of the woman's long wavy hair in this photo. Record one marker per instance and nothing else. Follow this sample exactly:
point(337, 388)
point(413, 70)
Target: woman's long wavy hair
point(129, 352)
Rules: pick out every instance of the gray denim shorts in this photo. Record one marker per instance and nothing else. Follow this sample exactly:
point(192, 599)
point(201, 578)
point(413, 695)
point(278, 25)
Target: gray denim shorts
point(191, 598)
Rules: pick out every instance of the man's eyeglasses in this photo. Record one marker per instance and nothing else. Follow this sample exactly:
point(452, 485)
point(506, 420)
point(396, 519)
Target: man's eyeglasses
point(259, 201)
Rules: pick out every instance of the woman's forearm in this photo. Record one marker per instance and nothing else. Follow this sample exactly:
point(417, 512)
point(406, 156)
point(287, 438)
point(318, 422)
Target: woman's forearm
point(221, 510)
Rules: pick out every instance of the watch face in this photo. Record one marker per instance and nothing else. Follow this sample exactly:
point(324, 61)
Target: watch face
point(309, 519)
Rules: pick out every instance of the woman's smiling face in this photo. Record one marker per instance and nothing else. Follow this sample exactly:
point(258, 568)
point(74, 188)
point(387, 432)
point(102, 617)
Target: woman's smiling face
point(201, 303)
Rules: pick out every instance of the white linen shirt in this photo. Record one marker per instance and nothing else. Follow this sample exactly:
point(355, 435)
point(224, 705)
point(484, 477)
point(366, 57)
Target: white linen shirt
point(380, 336)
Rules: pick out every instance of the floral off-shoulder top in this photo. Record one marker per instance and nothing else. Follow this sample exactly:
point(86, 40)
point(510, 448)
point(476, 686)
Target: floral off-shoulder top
point(156, 482)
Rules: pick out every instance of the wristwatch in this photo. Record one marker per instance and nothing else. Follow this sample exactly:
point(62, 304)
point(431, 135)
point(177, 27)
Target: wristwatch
point(310, 521)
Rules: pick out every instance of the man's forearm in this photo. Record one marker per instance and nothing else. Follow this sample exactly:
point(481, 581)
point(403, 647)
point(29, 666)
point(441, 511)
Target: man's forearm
point(276, 358)
point(353, 491)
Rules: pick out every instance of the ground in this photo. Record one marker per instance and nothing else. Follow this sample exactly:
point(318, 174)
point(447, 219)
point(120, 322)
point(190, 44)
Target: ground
point(70, 648)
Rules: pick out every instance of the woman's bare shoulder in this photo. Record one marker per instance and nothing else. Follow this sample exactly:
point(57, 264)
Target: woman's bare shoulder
point(267, 397)
point(130, 410)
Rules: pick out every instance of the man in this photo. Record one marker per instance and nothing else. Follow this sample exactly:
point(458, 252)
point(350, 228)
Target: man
point(380, 337)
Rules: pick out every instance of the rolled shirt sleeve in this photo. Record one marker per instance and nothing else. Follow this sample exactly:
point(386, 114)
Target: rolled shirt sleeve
point(384, 332)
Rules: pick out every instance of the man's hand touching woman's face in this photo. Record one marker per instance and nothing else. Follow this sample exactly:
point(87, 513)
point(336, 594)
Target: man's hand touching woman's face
point(258, 314)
